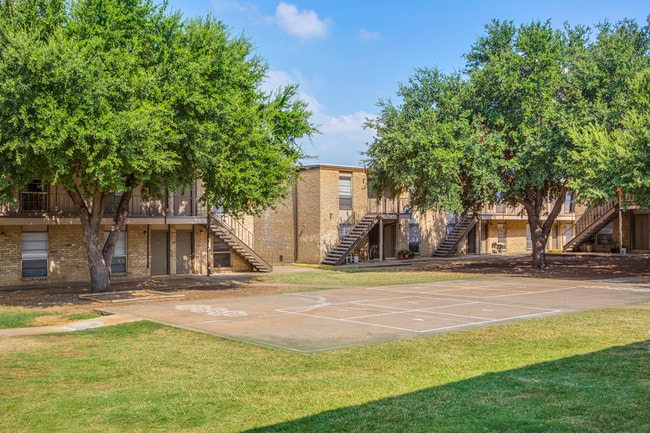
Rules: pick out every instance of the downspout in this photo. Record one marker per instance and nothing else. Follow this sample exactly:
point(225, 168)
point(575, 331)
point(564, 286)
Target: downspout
point(295, 223)
point(620, 220)
point(381, 230)
point(207, 256)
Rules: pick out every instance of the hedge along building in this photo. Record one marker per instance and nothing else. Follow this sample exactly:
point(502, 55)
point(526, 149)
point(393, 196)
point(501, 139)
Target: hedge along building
point(331, 218)
point(41, 238)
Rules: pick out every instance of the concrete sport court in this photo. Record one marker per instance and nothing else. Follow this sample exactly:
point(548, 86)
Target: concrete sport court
point(338, 318)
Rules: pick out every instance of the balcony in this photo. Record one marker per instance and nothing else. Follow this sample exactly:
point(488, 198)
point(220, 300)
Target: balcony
point(60, 205)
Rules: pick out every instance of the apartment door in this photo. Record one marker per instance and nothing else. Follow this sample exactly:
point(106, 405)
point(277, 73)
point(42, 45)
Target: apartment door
point(183, 251)
point(640, 241)
point(159, 252)
point(471, 241)
point(390, 240)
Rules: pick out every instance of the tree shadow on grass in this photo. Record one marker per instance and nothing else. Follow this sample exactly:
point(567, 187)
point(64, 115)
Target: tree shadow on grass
point(606, 391)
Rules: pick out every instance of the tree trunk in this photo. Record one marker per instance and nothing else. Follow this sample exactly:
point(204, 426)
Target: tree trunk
point(538, 239)
point(100, 272)
point(91, 213)
point(539, 231)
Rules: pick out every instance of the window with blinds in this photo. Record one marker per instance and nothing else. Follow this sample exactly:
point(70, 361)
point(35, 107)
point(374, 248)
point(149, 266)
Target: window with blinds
point(118, 264)
point(345, 191)
point(34, 254)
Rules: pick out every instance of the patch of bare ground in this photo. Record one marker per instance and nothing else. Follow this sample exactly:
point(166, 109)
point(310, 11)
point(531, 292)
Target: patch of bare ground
point(560, 266)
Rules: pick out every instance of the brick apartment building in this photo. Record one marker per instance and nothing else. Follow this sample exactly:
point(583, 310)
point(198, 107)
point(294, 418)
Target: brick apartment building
point(41, 238)
point(329, 218)
point(330, 203)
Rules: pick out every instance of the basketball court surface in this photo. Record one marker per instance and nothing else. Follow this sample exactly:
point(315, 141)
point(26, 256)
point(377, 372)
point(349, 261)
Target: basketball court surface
point(337, 318)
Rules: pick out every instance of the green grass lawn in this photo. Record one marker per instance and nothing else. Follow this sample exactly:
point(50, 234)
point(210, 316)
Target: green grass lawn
point(362, 277)
point(582, 372)
point(15, 317)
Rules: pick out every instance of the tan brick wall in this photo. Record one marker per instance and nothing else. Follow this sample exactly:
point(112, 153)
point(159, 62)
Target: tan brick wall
point(67, 259)
point(10, 256)
point(274, 232)
point(200, 265)
point(327, 235)
point(433, 227)
point(137, 265)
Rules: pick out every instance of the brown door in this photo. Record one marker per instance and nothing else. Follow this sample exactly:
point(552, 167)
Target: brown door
point(183, 251)
point(159, 252)
point(640, 241)
point(390, 241)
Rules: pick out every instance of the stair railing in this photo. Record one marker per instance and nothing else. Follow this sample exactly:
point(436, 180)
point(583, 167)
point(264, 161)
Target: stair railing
point(591, 216)
point(234, 226)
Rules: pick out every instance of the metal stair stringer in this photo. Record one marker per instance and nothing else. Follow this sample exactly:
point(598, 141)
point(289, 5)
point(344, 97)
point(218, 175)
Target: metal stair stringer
point(591, 222)
point(228, 234)
point(336, 255)
point(454, 238)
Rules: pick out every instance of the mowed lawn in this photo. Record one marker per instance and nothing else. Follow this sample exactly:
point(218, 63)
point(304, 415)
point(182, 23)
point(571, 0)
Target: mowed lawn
point(582, 372)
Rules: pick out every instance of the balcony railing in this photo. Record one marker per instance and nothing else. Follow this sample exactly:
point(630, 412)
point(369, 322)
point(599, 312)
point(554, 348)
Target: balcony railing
point(38, 203)
point(387, 206)
point(33, 202)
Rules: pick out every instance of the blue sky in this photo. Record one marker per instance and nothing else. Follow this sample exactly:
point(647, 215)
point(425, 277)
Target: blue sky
point(346, 55)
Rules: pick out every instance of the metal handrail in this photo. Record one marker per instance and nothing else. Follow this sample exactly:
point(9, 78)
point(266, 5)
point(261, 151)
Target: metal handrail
point(592, 215)
point(236, 228)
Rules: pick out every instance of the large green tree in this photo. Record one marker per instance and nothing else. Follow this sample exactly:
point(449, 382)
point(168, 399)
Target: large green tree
point(502, 131)
point(613, 143)
point(103, 96)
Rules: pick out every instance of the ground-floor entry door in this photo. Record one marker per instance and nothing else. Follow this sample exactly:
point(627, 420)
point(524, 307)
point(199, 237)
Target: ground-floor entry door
point(159, 252)
point(183, 251)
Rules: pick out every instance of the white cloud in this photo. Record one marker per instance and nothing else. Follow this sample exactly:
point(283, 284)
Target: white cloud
point(368, 36)
point(342, 138)
point(304, 24)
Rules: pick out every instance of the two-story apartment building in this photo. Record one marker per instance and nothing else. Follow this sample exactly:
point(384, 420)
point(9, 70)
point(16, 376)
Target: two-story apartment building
point(41, 238)
point(331, 203)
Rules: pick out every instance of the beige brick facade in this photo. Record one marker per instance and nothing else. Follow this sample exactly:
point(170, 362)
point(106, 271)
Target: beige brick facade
point(66, 254)
point(307, 225)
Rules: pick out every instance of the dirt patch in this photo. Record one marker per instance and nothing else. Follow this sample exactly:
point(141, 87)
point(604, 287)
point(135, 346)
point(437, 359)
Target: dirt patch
point(65, 299)
point(560, 266)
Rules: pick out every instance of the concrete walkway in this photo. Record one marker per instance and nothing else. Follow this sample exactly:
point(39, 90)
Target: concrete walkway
point(114, 319)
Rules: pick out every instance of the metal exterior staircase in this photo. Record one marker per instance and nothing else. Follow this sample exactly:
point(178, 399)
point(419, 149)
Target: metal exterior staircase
point(239, 239)
point(590, 223)
point(452, 240)
point(336, 256)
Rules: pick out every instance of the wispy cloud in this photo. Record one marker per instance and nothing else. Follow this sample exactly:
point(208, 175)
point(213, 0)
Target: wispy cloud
point(342, 138)
point(368, 36)
point(304, 24)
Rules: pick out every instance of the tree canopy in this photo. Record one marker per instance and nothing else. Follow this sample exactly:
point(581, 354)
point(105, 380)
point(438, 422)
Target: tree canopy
point(502, 130)
point(613, 143)
point(102, 96)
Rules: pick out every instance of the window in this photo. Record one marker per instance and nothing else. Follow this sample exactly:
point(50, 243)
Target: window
point(118, 264)
point(414, 237)
point(568, 205)
point(529, 239)
point(606, 235)
point(568, 233)
point(501, 234)
point(34, 199)
point(34, 254)
point(112, 202)
point(221, 253)
point(345, 191)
